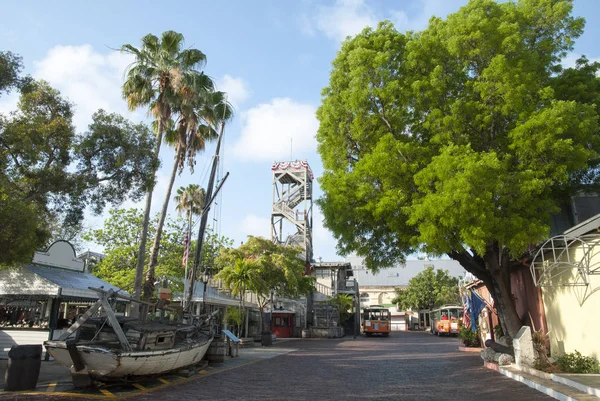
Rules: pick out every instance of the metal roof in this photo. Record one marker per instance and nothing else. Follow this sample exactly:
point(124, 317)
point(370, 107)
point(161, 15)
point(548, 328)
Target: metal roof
point(399, 275)
point(584, 227)
point(37, 280)
point(213, 296)
point(74, 284)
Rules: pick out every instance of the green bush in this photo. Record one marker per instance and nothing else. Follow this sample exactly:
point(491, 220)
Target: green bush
point(469, 338)
point(577, 363)
point(498, 331)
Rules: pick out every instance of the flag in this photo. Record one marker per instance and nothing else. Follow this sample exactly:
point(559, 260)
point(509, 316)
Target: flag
point(186, 249)
point(466, 320)
point(477, 305)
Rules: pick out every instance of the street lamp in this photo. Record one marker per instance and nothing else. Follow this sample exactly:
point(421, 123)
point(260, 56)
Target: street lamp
point(205, 277)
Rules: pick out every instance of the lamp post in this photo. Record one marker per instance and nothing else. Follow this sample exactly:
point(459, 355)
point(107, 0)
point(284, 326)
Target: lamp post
point(266, 336)
point(205, 279)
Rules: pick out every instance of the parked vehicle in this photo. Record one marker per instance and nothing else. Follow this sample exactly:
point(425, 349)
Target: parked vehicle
point(376, 319)
point(446, 320)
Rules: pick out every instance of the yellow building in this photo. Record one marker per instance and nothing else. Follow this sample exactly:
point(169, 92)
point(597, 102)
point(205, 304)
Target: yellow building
point(567, 267)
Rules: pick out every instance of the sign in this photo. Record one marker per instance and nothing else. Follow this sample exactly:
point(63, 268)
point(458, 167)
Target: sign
point(164, 293)
point(231, 336)
point(60, 254)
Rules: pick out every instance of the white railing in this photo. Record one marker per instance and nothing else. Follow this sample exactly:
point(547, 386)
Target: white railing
point(285, 210)
point(323, 289)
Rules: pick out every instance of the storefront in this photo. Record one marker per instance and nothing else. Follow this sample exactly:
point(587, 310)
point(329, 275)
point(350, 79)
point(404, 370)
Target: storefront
point(283, 323)
point(40, 300)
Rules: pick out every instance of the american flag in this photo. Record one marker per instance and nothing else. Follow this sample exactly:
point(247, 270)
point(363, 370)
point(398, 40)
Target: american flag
point(465, 300)
point(186, 249)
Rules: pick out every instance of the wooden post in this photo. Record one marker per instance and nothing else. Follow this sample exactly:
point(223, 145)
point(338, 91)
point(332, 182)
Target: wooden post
point(110, 314)
point(88, 313)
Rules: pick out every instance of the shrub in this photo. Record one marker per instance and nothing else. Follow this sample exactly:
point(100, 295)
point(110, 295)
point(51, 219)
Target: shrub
point(577, 363)
point(469, 338)
point(498, 331)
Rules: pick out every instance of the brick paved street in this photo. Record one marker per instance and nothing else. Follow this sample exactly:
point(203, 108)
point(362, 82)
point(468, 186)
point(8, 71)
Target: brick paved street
point(406, 366)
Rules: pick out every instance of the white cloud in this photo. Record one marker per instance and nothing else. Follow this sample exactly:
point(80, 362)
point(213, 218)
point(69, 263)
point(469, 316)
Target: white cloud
point(349, 17)
point(236, 88)
point(89, 79)
point(268, 129)
point(428, 9)
point(344, 18)
point(256, 226)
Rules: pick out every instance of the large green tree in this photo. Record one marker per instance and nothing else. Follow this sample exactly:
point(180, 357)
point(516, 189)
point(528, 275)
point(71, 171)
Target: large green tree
point(428, 289)
point(274, 266)
point(11, 66)
point(49, 174)
point(453, 140)
point(119, 237)
point(156, 81)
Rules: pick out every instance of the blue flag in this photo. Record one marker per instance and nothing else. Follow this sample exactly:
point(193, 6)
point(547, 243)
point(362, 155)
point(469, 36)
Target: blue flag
point(477, 305)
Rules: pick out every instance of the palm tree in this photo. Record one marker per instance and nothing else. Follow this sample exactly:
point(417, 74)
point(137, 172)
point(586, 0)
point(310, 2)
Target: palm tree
point(190, 200)
point(155, 80)
point(199, 112)
point(243, 275)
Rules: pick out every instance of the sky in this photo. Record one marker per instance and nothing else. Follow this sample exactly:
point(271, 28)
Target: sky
point(272, 57)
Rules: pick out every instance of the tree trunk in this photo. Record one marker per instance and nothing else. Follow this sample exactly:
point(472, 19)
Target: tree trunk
point(262, 319)
point(247, 315)
point(497, 263)
point(494, 270)
point(139, 269)
point(149, 284)
point(242, 307)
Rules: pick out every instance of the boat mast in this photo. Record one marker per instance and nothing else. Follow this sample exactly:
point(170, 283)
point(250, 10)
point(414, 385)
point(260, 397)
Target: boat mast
point(203, 220)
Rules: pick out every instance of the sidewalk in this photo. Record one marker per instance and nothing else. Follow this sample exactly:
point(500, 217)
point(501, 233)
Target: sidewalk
point(50, 371)
point(56, 378)
point(564, 387)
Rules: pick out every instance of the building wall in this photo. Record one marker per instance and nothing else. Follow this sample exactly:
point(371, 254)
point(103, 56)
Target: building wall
point(379, 295)
point(572, 312)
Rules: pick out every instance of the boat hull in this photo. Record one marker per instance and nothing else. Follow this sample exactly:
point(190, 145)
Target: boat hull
point(106, 364)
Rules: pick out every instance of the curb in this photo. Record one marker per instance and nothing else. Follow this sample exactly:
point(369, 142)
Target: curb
point(469, 349)
point(557, 395)
point(562, 380)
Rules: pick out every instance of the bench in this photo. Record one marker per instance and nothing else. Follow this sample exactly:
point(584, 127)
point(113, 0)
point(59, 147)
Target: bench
point(233, 343)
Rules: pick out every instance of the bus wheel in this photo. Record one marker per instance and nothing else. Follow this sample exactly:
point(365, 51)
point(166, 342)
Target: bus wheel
point(368, 334)
point(386, 334)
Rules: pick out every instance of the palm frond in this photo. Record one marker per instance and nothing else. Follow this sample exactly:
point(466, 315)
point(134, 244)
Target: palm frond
point(192, 58)
point(171, 43)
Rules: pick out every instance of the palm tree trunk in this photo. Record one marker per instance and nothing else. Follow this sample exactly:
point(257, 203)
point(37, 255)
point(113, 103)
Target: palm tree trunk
point(149, 284)
point(139, 268)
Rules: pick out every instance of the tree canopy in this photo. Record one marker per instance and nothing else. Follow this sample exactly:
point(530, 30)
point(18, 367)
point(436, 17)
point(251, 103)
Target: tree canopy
point(49, 174)
point(265, 265)
point(120, 240)
point(428, 289)
point(459, 139)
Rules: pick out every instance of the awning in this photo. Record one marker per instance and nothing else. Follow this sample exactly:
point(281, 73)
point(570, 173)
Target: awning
point(31, 280)
point(213, 296)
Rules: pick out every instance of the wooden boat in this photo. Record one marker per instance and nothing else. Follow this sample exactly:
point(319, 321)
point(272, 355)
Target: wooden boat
point(115, 348)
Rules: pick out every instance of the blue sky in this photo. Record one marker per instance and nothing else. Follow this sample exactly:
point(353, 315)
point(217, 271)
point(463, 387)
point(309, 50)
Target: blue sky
point(272, 57)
